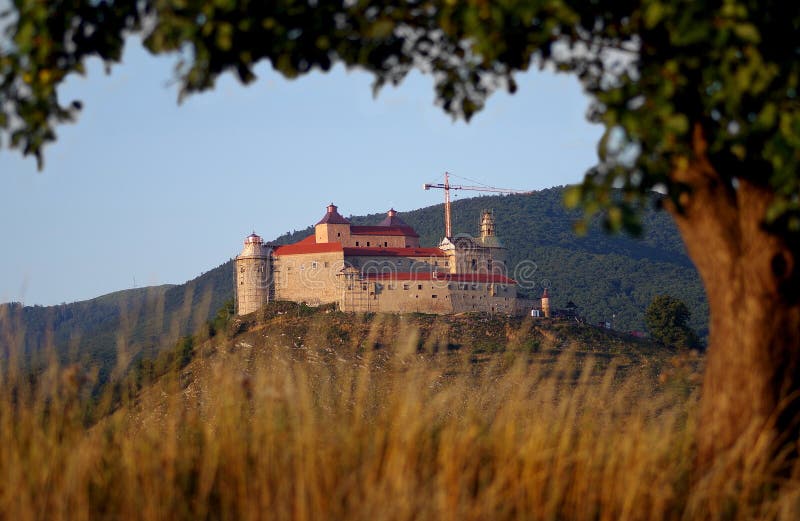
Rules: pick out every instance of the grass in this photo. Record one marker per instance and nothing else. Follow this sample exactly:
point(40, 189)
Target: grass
point(329, 416)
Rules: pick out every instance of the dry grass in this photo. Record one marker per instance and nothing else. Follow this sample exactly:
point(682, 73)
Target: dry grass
point(255, 429)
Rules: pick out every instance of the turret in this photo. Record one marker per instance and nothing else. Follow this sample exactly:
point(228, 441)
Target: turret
point(488, 239)
point(332, 227)
point(253, 275)
point(487, 224)
point(546, 303)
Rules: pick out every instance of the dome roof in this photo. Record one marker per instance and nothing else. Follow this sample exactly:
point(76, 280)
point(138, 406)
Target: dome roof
point(253, 239)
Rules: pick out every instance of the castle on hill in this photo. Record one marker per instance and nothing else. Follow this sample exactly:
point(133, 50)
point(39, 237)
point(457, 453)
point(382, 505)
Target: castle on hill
point(379, 268)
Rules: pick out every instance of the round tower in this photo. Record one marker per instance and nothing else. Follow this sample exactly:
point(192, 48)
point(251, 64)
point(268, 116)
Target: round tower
point(253, 272)
point(546, 303)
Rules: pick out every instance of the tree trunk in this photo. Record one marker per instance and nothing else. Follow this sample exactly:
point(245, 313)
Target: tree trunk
point(750, 391)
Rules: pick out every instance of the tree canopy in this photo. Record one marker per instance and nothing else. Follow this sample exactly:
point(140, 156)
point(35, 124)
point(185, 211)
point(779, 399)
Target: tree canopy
point(667, 321)
point(665, 77)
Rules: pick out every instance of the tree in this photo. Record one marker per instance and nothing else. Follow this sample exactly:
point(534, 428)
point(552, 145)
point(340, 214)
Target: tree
point(667, 320)
point(699, 100)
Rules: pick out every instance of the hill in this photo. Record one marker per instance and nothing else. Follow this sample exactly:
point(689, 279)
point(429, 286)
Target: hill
point(608, 277)
point(135, 323)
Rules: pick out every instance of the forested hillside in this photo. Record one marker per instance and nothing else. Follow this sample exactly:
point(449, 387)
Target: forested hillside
point(608, 277)
point(134, 322)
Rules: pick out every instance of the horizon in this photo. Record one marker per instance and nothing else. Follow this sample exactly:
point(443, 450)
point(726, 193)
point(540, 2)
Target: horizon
point(126, 190)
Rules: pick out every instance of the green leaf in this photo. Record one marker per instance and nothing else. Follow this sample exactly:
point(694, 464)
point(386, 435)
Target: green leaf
point(572, 196)
point(747, 32)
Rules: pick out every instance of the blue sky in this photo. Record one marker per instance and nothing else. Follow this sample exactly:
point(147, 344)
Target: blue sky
point(141, 187)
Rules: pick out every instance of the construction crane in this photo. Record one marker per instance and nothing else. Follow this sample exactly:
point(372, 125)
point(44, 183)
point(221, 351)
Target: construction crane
point(446, 186)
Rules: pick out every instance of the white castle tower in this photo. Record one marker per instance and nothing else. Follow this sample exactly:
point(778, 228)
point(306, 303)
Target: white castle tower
point(253, 275)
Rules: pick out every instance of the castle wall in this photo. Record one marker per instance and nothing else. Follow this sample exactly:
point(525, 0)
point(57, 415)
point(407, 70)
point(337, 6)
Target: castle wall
point(381, 241)
point(397, 297)
point(309, 278)
point(392, 264)
point(349, 237)
point(486, 298)
point(429, 296)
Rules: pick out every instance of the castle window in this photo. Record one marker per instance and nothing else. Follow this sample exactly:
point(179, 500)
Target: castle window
point(326, 264)
point(386, 244)
point(338, 234)
point(419, 286)
point(474, 264)
point(242, 269)
point(434, 296)
point(405, 286)
point(356, 243)
point(367, 243)
point(313, 265)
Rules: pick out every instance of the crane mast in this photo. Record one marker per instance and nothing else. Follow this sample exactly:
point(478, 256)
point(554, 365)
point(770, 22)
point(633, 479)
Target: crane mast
point(446, 186)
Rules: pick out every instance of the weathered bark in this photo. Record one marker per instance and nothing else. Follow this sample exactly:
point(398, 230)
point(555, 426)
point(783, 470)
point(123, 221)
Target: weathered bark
point(752, 376)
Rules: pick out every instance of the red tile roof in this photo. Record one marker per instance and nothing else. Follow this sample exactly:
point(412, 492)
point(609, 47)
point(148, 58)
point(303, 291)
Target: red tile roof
point(482, 278)
point(394, 252)
point(392, 219)
point(308, 245)
point(332, 216)
point(405, 231)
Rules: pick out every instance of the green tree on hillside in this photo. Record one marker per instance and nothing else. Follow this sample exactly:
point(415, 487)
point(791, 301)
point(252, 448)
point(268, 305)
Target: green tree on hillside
point(667, 320)
point(699, 99)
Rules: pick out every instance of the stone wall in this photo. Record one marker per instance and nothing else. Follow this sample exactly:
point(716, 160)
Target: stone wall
point(429, 296)
point(394, 264)
point(309, 277)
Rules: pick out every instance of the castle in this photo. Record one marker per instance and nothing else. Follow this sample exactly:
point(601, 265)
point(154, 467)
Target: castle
point(379, 268)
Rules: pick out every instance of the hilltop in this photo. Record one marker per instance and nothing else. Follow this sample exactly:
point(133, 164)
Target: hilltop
point(325, 337)
point(606, 276)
